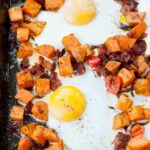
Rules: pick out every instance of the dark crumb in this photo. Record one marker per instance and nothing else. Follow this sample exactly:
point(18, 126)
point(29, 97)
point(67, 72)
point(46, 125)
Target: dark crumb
point(28, 108)
point(53, 68)
point(39, 96)
point(111, 107)
point(24, 63)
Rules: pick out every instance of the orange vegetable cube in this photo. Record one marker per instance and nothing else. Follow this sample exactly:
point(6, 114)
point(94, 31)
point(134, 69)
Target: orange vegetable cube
point(17, 113)
point(24, 144)
point(46, 50)
point(65, 66)
point(136, 130)
point(148, 76)
point(45, 63)
point(22, 34)
point(124, 103)
point(112, 66)
point(70, 41)
point(31, 8)
point(127, 76)
point(24, 96)
point(56, 146)
point(147, 113)
point(25, 50)
point(88, 49)
point(15, 14)
point(42, 85)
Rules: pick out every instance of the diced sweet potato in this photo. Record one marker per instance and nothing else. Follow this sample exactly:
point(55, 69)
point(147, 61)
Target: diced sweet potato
point(46, 50)
point(112, 45)
point(53, 4)
point(120, 121)
point(25, 79)
point(112, 66)
point(124, 103)
point(35, 27)
point(14, 27)
point(42, 86)
point(40, 110)
point(24, 96)
point(50, 135)
point(88, 49)
point(134, 18)
point(37, 135)
point(45, 63)
point(136, 113)
point(138, 30)
point(64, 66)
point(148, 76)
point(78, 53)
point(142, 87)
point(25, 50)
point(127, 76)
point(56, 146)
point(70, 41)
point(141, 63)
point(31, 8)
point(22, 34)
point(17, 113)
point(27, 130)
point(25, 144)
point(147, 113)
point(15, 14)
point(139, 143)
point(137, 130)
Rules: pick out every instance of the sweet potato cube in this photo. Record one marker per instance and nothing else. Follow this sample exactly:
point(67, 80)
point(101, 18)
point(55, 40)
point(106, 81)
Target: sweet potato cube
point(37, 135)
point(46, 50)
point(141, 63)
point(134, 18)
point(148, 76)
point(56, 146)
point(147, 113)
point(40, 110)
point(25, 144)
point(15, 14)
point(64, 66)
point(124, 103)
point(25, 79)
point(42, 86)
point(24, 96)
point(70, 41)
point(127, 76)
point(17, 113)
point(112, 66)
point(142, 87)
point(88, 49)
point(120, 121)
point(45, 63)
point(53, 4)
point(78, 53)
point(22, 34)
point(138, 30)
point(136, 113)
point(139, 143)
point(50, 135)
point(25, 50)
point(35, 27)
point(31, 8)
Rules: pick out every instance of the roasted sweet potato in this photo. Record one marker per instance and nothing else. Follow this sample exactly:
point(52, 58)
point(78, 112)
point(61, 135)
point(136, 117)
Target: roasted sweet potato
point(53, 4)
point(148, 76)
point(40, 110)
point(138, 30)
point(46, 50)
point(78, 53)
point(42, 85)
point(25, 144)
point(124, 103)
point(88, 49)
point(45, 63)
point(137, 130)
point(50, 135)
point(147, 113)
point(120, 121)
point(134, 18)
point(127, 76)
point(56, 146)
point(31, 8)
point(35, 27)
point(136, 113)
point(17, 113)
point(112, 66)
point(142, 87)
point(24, 96)
point(25, 50)
point(25, 79)
point(64, 65)
point(70, 41)
point(23, 34)
point(15, 14)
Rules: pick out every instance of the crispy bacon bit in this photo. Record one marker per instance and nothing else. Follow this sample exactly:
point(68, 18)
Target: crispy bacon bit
point(37, 69)
point(80, 69)
point(28, 108)
point(24, 63)
point(59, 53)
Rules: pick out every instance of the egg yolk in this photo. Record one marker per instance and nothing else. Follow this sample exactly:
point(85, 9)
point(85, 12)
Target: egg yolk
point(80, 11)
point(67, 103)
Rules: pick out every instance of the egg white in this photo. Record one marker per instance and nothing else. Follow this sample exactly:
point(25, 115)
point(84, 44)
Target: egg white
point(93, 131)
